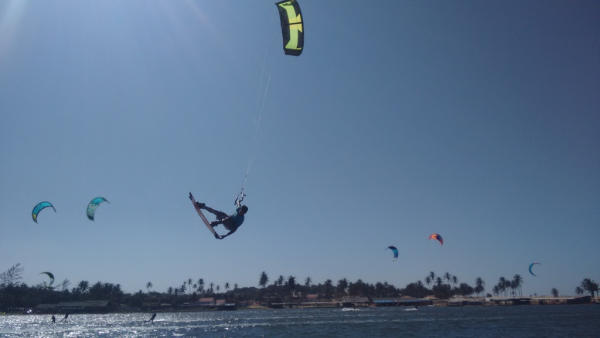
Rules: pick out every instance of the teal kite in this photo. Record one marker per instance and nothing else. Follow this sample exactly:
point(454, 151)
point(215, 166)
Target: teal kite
point(394, 250)
point(91, 208)
point(292, 27)
point(531, 266)
point(40, 207)
point(51, 276)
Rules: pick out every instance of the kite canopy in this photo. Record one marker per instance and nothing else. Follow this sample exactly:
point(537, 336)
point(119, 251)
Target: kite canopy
point(50, 275)
point(292, 27)
point(40, 207)
point(438, 237)
point(531, 266)
point(91, 208)
point(394, 250)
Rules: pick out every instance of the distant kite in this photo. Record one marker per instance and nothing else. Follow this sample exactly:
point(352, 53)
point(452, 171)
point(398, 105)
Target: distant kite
point(91, 208)
point(394, 250)
point(51, 276)
point(292, 27)
point(40, 207)
point(531, 266)
point(438, 237)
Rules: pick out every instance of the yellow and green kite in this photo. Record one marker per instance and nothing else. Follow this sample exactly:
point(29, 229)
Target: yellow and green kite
point(292, 27)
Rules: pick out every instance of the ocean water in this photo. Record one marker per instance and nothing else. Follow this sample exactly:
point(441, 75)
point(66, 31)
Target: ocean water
point(505, 321)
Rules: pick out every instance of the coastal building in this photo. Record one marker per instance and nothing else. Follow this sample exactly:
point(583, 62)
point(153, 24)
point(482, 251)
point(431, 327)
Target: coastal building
point(561, 300)
point(207, 301)
point(550, 300)
point(402, 301)
point(355, 301)
point(312, 297)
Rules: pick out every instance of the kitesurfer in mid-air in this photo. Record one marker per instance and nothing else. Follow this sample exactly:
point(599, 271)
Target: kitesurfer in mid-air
point(230, 222)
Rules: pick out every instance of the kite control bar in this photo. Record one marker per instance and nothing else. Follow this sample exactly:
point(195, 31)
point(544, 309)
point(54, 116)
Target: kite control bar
point(239, 198)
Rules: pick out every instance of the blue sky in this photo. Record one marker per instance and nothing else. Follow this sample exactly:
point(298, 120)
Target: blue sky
point(477, 120)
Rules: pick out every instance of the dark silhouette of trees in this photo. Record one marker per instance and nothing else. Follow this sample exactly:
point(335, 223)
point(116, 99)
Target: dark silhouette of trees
point(590, 286)
point(14, 294)
point(12, 276)
point(264, 280)
point(342, 286)
point(517, 283)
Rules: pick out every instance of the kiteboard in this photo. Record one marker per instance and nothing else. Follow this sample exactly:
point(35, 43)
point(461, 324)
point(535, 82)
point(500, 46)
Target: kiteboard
point(204, 217)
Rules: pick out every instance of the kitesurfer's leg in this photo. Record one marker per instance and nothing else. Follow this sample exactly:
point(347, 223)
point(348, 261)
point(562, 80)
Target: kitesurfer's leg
point(218, 214)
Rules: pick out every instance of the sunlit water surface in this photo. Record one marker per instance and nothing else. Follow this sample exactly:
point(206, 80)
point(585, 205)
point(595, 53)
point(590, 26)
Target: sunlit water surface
point(508, 321)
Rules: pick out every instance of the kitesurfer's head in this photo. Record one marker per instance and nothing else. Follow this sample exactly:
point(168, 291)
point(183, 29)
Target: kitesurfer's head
point(244, 209)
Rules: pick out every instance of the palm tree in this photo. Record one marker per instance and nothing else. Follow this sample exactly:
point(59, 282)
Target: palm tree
point(264, 279)
point(496, 290)
point(432, 275)
point(439, 281)
point(200, 285)
point(579, 290)
point(328, 288)
point(447, 277)
point(190, 284)
point(428, 281)
point(226, 286)
point(65, 285)
point(235, 286)
point(149, 286)
point(554, 292)
point(518, 283)
point(502, 284)
point(507, 285)
point(342, 285)
point(280, 280)
point(211, 287)
point(291, 281)
point(307, 282)
point(83, 286)
point(590, 286)
point(454, 281)
point(479, 285)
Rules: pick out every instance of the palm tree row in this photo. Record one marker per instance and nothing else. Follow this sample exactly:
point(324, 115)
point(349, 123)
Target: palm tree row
point(195, 288)
point(17, 294)
point(508, 287)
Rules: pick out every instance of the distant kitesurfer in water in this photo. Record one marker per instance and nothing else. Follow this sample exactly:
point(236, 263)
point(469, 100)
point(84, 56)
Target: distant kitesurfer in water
point(230, 222)
point(66, 317)
point(151, 318)
point(53, 319)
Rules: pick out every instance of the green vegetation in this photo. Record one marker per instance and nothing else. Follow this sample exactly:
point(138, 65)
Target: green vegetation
point(15, 294)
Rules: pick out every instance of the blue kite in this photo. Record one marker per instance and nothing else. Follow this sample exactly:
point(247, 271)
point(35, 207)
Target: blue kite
point(40, 207)
point(394, 250)
point(531, 266)
point(91, 208)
